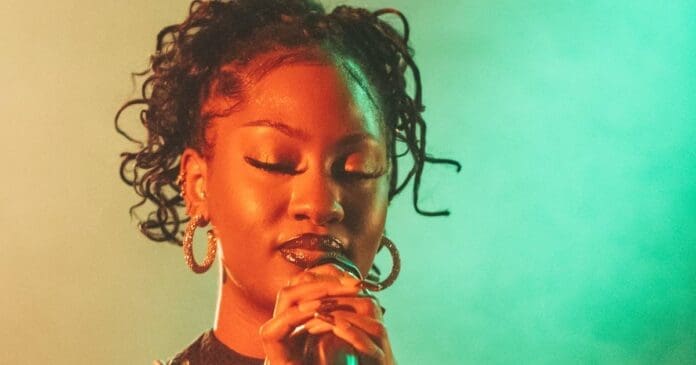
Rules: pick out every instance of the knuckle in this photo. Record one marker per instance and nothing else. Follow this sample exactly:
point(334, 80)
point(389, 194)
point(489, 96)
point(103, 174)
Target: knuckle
point(301, 278)
point(369, 306)
point(264, 332)
point(380, 330)
point(283, 292)
point(305, 276)
point(333, 269)
point(375, 307)
point(378, 354)
point(324, 272)
point(281, 296)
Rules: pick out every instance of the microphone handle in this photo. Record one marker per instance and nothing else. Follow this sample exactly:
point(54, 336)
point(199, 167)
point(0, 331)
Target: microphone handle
point(327, 348)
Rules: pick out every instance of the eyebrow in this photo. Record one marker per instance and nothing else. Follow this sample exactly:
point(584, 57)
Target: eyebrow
point(280, 127)
point(355, 138)
point(302, 135)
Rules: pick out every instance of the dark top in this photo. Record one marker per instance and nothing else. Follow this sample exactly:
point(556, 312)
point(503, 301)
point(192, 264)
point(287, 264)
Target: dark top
point(207, 349)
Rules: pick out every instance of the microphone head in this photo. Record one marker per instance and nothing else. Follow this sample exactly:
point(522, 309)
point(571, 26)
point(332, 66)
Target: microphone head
point(340, 261)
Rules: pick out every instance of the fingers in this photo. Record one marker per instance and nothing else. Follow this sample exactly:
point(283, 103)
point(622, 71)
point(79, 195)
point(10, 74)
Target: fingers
point(373, 327)
point(361, 304)
point(353, 328)
point(363, 311)
point(321, 281)
point(326, 271)
point(276, 333)
point(358, 321)
point(367, 335)
point(325, 299)
point(292, 295)
point(284, 322)
point(319, 324)
point(333, 270)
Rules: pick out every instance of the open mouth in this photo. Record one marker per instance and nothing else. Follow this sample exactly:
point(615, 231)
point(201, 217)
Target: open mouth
point(310, 249)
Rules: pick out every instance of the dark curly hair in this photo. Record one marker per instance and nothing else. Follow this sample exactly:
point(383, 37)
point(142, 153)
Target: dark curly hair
point(187, 62)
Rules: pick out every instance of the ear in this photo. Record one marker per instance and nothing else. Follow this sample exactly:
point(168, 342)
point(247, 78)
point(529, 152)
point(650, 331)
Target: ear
point(193, 169)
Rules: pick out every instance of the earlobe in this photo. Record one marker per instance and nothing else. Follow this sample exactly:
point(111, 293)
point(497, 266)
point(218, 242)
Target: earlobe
point(193, 177)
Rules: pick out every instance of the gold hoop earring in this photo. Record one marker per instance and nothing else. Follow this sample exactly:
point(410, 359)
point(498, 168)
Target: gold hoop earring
point(396, 267)
point(188, 247)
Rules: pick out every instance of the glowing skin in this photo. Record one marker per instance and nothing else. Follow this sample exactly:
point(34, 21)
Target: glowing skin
point(322, 131)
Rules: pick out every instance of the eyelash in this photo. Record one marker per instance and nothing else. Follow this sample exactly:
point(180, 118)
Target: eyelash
point(278, 168)
point(275, 168)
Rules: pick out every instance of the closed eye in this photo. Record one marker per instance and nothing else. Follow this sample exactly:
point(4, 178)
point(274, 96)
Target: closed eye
point(342, 172)
point(359, 165)
point(274, 168)
point(363, 175)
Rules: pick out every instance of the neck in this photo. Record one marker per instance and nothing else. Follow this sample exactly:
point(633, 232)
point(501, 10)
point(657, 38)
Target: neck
point(238, 319)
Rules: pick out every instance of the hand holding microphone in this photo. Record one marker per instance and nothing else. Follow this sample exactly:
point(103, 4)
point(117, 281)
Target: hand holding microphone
point(324, 316)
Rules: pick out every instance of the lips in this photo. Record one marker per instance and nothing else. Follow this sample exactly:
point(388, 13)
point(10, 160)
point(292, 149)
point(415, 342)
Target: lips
point(307, 249)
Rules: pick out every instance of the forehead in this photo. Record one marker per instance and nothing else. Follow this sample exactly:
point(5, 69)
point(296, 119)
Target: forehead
point(311, 91)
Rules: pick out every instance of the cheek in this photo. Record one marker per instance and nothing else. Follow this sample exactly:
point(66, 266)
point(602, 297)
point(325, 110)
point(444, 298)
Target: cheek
point(242, 199)
point(368, 212)
point(372, 204)
point(241, 203)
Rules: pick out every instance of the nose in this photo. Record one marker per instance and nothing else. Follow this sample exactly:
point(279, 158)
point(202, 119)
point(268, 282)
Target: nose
point(317, 198)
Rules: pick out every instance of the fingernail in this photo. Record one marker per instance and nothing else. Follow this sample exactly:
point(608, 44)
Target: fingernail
point(310, 306)
point(348, 280)
point(326, 317)
point(327, 305)
point(299, 329)
point(369, 285)
point(319, 328)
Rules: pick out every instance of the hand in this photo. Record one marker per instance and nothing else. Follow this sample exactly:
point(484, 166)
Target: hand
point(325, 299)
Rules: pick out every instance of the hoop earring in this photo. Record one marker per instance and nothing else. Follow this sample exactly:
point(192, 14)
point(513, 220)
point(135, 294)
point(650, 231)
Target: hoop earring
point(396, 268)
point(188, 247)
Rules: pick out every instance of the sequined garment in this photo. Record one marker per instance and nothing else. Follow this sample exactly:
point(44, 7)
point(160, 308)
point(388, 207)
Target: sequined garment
point(208, 350)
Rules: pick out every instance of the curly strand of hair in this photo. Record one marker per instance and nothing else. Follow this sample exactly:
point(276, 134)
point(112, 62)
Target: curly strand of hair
point(405, 111)
point(417, 146)
point(120, 111)
point(406, 31)
point(187, 55)
point(349, 22)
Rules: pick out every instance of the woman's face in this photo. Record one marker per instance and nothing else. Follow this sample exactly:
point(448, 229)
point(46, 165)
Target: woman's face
point(304, 153)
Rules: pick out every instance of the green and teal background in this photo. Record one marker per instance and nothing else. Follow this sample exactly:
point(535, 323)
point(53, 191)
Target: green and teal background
point(572, 238)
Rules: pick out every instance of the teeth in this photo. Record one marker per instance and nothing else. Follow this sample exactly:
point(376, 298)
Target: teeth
point(323, 243)
point(294, 256)
point(334, 244)
point(329, 243)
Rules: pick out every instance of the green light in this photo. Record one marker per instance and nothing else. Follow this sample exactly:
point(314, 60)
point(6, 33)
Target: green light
point(351, 359)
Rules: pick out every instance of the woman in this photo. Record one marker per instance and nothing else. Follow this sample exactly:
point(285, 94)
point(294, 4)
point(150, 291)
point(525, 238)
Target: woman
point(276, 124)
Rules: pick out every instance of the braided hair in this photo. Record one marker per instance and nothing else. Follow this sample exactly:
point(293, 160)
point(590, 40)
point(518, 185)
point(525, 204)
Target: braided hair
point(188, 59)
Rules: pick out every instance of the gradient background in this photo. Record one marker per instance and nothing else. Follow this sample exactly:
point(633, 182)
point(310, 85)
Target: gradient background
point(573, 233)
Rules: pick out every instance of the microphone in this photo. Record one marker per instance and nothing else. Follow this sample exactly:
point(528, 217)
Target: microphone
point(327, 348)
